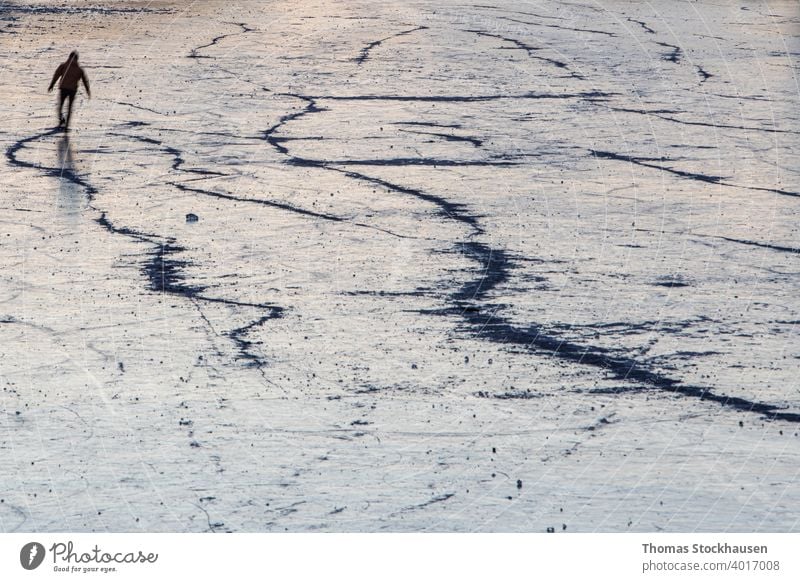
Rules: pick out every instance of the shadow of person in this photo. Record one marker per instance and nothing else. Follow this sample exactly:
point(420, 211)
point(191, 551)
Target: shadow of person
point(70, 200)
point(66, 157)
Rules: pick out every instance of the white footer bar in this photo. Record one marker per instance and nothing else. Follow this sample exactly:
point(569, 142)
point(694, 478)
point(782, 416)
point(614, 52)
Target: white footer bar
point(371, 557)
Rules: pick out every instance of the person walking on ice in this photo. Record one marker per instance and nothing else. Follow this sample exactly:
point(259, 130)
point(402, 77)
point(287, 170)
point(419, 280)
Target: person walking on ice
point(71, 75)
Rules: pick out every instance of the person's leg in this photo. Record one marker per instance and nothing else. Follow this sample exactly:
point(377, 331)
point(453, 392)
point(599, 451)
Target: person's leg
point(61, 96)
point(71, 96)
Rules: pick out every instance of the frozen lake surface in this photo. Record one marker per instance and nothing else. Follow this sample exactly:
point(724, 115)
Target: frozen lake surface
point(507, 266)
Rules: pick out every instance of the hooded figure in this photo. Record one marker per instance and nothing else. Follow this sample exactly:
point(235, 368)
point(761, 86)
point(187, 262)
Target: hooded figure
point(71, 75)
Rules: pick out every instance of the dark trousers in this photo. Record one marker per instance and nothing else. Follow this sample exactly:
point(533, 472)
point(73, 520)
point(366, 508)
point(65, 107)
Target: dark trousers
point(66, 94)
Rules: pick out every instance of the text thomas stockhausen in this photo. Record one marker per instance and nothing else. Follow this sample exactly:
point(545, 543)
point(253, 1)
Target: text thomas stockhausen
point(718, 548)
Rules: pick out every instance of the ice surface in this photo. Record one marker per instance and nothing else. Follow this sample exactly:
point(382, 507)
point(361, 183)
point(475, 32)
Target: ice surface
point(439, 248)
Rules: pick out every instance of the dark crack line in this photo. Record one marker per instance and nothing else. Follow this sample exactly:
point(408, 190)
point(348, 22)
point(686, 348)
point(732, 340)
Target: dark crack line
point(168, 274)
point(138, 107)
point(518, 12)
point(387, 231)
point(364, 54)
point(239, 337)
point(643, 25)
point(269, 134)
point(404, 162)
point(71, 9)
point(744, 97)
point(704, 75)
point(639, 161)
point(518, 44)
point(436, 499)
point(458, 98)
point(490, 326)
point(271, 204)
point(484, 321)
point(569, 28)
point(429, 124)
point(277, 142)
point(447, 136)
point(659, 113)
point(528, 49)
point(164, 272)
point(193, 54)
point(177, 155)
point(779, 248)
point(167, 271)
point(451, 210)
point(283, 206)
point(672, 57)
point(63, 172)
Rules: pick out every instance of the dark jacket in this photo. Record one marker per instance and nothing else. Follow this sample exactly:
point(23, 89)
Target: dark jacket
point(71, 75)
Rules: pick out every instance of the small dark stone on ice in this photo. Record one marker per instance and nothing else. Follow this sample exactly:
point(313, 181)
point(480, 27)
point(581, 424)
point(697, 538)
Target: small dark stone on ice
point(741, 423)
point(551, 530)
point(519, 483)
point(192, 217)
point(563, 527)
point(494, 450)
point(413, 366)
